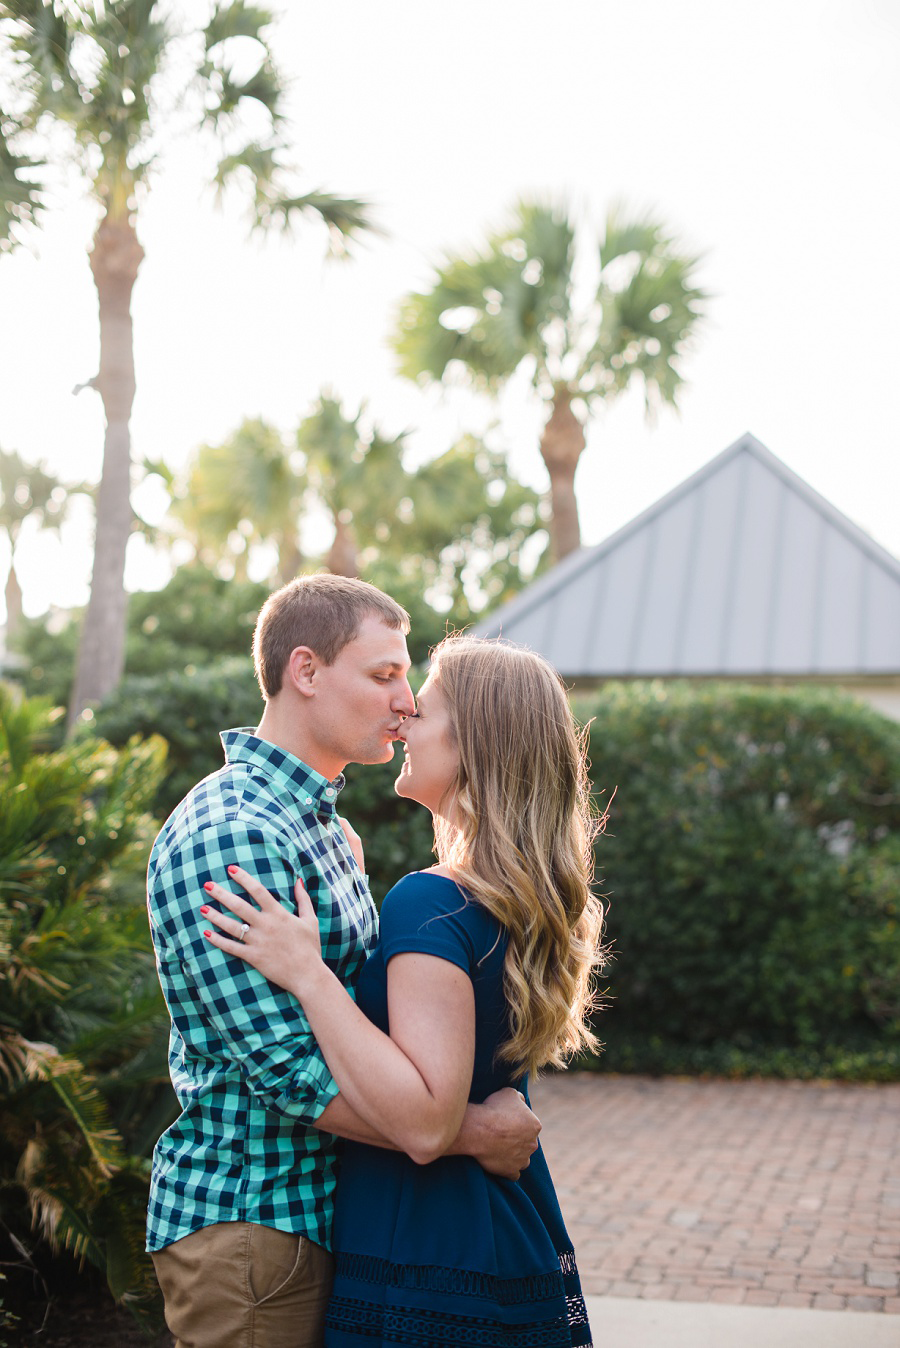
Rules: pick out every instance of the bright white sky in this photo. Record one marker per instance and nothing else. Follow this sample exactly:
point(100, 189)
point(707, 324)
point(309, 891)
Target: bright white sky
point(765, 132)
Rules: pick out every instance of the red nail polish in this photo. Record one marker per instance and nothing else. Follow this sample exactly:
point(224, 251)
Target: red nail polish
point(205, 909)
point(207, 933)
point(208, 885)
point(231, 870)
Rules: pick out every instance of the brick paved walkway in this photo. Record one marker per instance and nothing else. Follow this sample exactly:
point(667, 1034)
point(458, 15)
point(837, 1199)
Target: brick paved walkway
point(756, 1192)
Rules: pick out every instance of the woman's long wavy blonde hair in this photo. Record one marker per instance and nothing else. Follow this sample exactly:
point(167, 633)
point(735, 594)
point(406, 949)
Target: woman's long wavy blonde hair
point(520, 837)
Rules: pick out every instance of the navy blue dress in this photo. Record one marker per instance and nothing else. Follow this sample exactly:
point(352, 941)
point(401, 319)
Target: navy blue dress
point(446, 1254)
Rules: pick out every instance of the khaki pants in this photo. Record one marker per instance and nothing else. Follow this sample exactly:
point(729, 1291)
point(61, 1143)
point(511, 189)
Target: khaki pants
point(238, 1285)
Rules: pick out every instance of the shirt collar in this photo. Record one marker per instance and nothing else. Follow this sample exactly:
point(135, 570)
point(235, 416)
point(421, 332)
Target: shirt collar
point(307, 788)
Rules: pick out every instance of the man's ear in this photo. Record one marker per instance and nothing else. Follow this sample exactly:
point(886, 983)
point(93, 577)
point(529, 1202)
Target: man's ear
point(302, 666)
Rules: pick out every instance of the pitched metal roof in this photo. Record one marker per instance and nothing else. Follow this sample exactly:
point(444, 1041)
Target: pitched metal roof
point(742, 570)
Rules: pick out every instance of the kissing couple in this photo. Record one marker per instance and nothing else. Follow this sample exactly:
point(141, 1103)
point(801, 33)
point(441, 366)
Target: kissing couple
point(356, 1161)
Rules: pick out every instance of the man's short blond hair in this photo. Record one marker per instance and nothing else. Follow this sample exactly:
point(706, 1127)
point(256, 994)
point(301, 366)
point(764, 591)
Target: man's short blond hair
point(323, 612)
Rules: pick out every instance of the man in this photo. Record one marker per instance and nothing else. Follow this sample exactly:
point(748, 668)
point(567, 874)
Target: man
point(241, 1194)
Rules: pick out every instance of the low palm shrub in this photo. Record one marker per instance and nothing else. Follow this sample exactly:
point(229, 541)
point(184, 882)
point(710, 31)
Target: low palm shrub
point(83, 1076)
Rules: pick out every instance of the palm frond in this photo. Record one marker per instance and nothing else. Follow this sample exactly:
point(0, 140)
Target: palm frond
point(133, 22)
point(650, 310)
point(23, 730)
point(122, 1218)
point(83, 1103)
point(115, 115)
point(548, 236)
point(345, 217)
point(236, 20)
point(61, 1218)
point(21, 199)
point(43, 37)
point(30, 491)
point(451, 324)
point(489, 310)
point(226, 85)
point(256, 163)
point(97, 1217)
point(114, 1045)
point(13, 1054)
point(83, 1041)
point(264, 86)
point(158, 468)
point(348, 470)
point(623, 235)
point(30, 967)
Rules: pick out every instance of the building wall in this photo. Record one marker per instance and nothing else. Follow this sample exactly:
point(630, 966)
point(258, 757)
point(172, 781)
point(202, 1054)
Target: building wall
point(882, 694)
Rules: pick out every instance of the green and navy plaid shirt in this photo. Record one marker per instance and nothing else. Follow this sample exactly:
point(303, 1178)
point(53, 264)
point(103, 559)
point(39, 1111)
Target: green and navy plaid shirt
point(246, 1069)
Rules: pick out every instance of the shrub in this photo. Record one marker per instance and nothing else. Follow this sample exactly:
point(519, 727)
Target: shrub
point(83, 1076)
point(752, 884)
point(196, 620)
point(397, 834)
point(187, 708)
point(867, 1059)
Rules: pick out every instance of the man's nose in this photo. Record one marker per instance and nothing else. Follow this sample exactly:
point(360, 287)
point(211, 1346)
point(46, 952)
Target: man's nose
point(404, 703)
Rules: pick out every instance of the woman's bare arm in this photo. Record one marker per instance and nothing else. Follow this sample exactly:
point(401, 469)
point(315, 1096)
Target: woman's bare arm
point(411, 1087)
point(501, 1133)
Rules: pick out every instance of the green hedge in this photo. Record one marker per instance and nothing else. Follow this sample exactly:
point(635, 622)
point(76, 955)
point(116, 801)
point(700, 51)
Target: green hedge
point(751, 865)
point(188, 708)
point(194, 621)
point(396, 834)
point(753, 883)
point(865, 1059)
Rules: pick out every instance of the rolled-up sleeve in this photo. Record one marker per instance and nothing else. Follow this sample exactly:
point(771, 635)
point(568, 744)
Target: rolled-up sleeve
point(222, 1007)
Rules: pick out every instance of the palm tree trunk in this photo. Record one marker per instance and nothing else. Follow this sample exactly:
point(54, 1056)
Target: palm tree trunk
point(343, 555)
point(115, 260)
point(290, 561)
point(562, 445)
point(13, 595)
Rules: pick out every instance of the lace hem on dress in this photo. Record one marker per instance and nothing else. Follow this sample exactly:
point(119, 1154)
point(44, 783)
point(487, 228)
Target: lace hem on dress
point(393, 1320)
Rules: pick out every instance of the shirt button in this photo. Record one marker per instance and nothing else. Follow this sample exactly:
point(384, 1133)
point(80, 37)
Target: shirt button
point(308, 800)
point(329, 791)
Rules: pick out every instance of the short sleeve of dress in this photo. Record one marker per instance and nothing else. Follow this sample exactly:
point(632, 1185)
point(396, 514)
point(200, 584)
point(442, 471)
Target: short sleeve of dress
point(430, 915)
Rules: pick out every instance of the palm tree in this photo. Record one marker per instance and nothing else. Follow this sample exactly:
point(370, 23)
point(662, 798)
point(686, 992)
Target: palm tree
point(511, 306)
point(459, 519)
point(27, 492)
point(357, 478)
point(470, 529)
point(243, 492)
point(120, 81)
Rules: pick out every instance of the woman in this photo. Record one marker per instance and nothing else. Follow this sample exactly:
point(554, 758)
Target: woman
point(481, 975)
